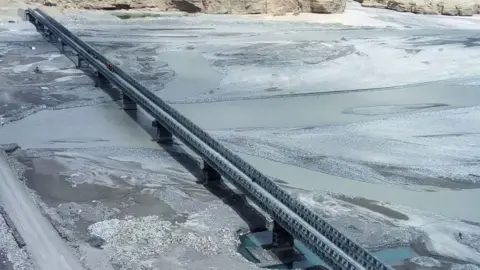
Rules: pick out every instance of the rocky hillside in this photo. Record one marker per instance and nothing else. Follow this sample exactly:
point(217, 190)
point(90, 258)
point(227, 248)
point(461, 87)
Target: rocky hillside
point(275, 7)
point(444, 7)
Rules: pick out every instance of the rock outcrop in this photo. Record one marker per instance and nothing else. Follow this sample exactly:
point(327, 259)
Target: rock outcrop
point(444, 7)
point(274, 7)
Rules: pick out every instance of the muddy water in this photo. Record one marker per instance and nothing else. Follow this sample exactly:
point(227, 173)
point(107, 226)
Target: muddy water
point(330, 109)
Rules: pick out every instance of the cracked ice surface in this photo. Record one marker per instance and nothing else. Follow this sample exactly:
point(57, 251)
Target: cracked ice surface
point(144, 219)
point(238, 57)
point(432, 148)
point(204, 236)
point(386, 225)
point(57, 85)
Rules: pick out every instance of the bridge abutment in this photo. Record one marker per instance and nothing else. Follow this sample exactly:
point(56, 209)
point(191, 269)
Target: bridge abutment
point(210, 175)
point(163, 135)
point(128, 103)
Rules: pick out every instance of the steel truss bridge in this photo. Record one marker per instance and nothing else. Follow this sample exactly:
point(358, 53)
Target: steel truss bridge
point(289, 215)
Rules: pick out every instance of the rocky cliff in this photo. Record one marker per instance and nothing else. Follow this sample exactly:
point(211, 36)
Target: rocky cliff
point(274, 7)
point(444, 7)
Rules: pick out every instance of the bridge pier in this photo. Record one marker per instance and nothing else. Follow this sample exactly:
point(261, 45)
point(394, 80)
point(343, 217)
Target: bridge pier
point(163, 135)
point(281, 238)
point(40, 27)
point(210, 175)
point(100, 76)
point(128, 103)
point(79, 62)
point(62, 46)
point(51, 37)
point(100, 79)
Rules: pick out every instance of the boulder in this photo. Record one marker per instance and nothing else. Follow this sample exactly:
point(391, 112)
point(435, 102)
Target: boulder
point(190, 6)
point(273, 7)
point(375, 3)
point(444, 7)
point(328, 6)
point(425, 7)
point(255, 6)
point(281, 7)
point(218, 6)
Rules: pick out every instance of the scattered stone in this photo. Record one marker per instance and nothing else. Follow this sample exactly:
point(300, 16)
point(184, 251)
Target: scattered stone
point(16, 235)
point(50, 3)
point(426, 262)
point(9, 148)
point(12, 21)
point(450, 7)
point(96, 241)
point(242, 231)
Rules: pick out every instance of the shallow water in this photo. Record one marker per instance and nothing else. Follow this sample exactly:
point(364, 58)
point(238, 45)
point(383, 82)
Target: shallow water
point(330, 109)
point(391, 256)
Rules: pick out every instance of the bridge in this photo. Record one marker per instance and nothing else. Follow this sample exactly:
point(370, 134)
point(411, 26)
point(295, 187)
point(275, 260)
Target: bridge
point(291, 219)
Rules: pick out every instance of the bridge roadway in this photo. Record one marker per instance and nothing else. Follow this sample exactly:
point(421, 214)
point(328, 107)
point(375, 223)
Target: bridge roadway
point(334, 248)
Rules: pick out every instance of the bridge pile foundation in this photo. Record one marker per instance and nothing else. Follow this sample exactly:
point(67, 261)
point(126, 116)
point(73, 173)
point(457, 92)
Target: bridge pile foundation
point(210, 175)
point(163, 135)
point(128, 103)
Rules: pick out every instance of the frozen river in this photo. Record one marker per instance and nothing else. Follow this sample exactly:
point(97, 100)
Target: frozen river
point(373, 123)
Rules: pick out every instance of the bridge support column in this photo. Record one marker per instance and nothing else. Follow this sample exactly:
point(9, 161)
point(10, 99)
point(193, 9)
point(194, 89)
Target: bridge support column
point(100, 79)
point(163, 135)
point(62, 46)
point(79, 62)
point(100, 76)
point(281, 238)
point(40, 27)
point(210, 175)
point(50, 37)
point(128, 103)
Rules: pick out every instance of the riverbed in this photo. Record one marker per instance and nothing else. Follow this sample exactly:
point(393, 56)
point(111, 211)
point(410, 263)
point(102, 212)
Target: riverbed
point(315, 106)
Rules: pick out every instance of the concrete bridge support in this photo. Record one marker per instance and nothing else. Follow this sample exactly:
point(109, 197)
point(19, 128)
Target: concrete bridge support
point(100, 77)
point(210, 175)
point(128, 103)
point(163, 135)
point(79, 61)
point(62, 46)
point(281, 238)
